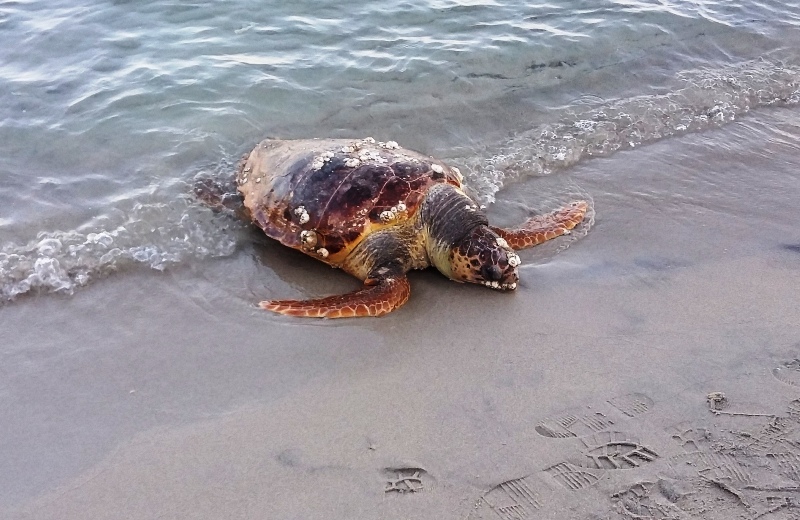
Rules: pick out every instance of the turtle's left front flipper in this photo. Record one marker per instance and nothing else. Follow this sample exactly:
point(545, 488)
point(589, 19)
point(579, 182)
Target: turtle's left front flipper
point(376, 298)
point(542, 228)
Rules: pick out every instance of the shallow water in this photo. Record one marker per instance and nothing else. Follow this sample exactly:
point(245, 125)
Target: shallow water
point(128, 307)
point(109, 112)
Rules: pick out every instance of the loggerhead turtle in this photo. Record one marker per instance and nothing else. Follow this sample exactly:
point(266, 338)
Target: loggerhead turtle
point(377, 211)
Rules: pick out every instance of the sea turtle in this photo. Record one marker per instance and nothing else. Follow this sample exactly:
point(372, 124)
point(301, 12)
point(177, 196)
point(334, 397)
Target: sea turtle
point(377, 211)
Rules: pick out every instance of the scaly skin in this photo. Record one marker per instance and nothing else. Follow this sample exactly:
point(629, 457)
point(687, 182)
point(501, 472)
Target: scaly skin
point(542, 228)
point(376, 298)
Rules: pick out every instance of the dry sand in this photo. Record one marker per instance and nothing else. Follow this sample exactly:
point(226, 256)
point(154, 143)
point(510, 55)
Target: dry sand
point(584, 395)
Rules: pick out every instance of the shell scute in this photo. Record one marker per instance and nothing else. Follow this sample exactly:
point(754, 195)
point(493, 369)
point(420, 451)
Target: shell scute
point(339, 189)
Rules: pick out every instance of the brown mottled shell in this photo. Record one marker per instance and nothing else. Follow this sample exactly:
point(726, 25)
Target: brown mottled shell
point(324, 196)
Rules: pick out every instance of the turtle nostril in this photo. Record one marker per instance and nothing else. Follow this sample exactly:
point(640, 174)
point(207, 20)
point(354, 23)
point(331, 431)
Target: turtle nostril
point(492, 273)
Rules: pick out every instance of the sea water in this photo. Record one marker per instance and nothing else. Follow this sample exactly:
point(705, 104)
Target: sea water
point(110, 111)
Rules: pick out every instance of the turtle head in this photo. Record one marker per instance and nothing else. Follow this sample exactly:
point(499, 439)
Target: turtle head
point(484, 257)
point(460, 243)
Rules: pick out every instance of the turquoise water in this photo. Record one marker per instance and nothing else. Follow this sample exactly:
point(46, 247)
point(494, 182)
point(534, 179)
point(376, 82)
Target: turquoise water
point(109, 111)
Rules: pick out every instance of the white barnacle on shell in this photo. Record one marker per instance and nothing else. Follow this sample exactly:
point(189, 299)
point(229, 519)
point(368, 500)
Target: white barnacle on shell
point(308, 238)
point(369, 140)
point(322, 252)
point(348, 149)
point(352, 162)
point(258, 179)
point(387, 216)
point(327, 156)
point(458, 173)
point(469, 207)
point(401, 207)
point(513, 260)
point(391, 145)
point(437, 168)
point(301, 212)
point(371, 156)
point(318, 163)
point(502, 242)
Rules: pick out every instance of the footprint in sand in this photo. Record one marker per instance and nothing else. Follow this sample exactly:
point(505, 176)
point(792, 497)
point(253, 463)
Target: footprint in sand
point(613, 450)
point(404, 480)
point(604, 447)
point(733, 464)
point(701, 459)
point(510, 500)
point(788, 372)
point(600, 447)
point(738, 465)
point(602, 417)
point(651, 500)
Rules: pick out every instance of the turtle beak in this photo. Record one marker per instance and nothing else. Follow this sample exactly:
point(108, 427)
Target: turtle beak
point(497, 277)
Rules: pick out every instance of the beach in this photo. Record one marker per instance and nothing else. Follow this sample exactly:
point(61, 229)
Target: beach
point(646, 367)
point(488, 400)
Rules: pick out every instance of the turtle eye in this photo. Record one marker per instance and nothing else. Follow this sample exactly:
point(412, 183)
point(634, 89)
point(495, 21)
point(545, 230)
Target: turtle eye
point(492, 273)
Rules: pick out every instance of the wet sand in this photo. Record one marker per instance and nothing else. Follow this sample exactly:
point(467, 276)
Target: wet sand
point(584, 395)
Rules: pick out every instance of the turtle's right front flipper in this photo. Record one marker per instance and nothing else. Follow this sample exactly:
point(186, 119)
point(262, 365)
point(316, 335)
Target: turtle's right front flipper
point(376, 298)
point(542, 228)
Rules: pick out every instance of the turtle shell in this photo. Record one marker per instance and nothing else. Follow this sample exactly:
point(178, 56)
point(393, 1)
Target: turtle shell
point(324, 196)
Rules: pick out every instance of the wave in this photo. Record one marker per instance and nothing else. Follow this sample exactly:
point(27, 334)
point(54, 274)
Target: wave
point(156, 235)
point(709, 98)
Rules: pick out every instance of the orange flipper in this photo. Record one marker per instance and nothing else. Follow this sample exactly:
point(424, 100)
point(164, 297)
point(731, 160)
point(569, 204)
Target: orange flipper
point(376, 298)
point(542, 228)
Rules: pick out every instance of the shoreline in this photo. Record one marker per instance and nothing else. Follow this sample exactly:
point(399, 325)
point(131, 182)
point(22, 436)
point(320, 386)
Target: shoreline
point(198, 405)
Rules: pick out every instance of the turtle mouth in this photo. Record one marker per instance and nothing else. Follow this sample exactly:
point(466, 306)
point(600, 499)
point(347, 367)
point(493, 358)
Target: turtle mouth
point(500, 286)
point(502, 276)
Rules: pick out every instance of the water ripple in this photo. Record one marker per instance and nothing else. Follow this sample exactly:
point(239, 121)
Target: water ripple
point(108, 110)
